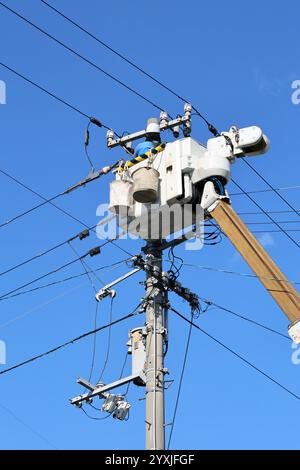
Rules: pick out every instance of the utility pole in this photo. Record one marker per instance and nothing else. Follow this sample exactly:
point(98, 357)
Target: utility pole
point(145, 191)
point(154, 371)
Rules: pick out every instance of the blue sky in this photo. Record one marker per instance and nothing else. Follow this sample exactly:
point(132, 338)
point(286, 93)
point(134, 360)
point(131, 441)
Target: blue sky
point(236, 64)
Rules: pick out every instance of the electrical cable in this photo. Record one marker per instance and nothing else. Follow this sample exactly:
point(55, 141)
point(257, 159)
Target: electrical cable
point(268, 215)
point(60, 281)
point(108, 342)
point(46, 201)
point(123, 366)
point(92, 252)
point(86, 144)
point(68, 343)
point(87, 269)
point(211, 128)
point(242, 317)
point(93, 417)
point(80, 56)
point(74, 108)
point(268, 212)
point(271, 187)
point(94, 343)
point(180, 381)
point(27, 426)
point(285, 188)
point(224, 271)
point(58, 208)
point(220, 343)
point(43, 253)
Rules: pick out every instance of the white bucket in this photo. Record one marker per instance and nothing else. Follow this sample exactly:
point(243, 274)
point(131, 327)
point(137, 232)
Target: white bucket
point(145, 185)
point(120, 198)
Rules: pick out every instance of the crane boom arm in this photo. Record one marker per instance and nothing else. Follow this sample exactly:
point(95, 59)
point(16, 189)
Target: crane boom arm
point(258, 259)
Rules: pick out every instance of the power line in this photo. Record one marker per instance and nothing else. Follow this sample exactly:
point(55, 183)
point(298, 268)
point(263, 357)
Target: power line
point(94, 342)
point(237, 355)
point(80, 56)
point(13, 178)
point(57, 98)
point(268, 212)
point(180, 382)
point(242, 317)
point(272, 223)
point(27, 426)
point(46, 201)
point(53, 271)
point(275, 231)
point(224, 271)
point(68, 343)
point(285, 188)
point(42, 253)
point(268, 215)
point(66, 279)
point(270, 186)
point(211, 128)
point(108, 341)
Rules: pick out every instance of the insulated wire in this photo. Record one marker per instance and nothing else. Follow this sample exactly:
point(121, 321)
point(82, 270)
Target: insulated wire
point(180, 381)
point(242, 317)
point(268, 215)
point(80, 56)
point(271, 187)
point(223, 345)
point(108, 342)
point(60, 281)
point(68, 343)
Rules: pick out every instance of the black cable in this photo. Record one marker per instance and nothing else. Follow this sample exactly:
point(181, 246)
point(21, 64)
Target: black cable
point(180, 382)
point(270, 186)
point(242, 317)
point(224, 271)
point(275, 231)
point(257, 191)
point(211, 128)
point(268, 215)
point(94, 343)
point(43, 253)
point(87, 269)
point(30, 428)
point(60, 281)
point(123, 366)
point(272, 223)
point(67, 343)
point(46, 201)
point(237, 355)
point(108, 342)
point(39, 278)
point(93, 417)
point(86, 144)
point(58, 208)
point(53, 271)
point(45, 90)
point(268, 212)
point(80, 56)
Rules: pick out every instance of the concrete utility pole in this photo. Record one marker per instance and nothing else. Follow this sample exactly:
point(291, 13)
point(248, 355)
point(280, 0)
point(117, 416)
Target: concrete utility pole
point(156, 331)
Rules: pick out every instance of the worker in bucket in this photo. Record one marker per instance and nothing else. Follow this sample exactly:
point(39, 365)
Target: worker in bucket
point(152, 138)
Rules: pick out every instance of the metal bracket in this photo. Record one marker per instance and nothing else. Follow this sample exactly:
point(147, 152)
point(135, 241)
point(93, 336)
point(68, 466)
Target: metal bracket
point(100, 389)
point(164, 125)
point(106, 290)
